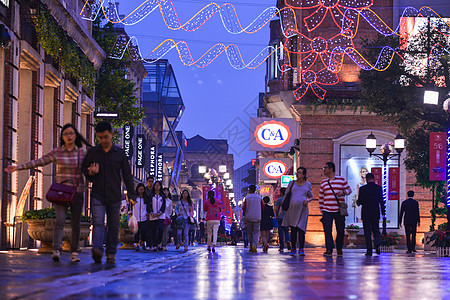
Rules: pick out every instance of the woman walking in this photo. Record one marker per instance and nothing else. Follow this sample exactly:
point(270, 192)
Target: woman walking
point(213, 210)
point(297, 215)
point(68, 158)
point(184, 210)
point(156, 215)
point(140, 213)
point(266, 223)
point(167, 215)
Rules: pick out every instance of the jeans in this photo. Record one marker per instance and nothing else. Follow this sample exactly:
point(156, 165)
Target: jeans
point(410, 231)
point(165, 237)
point(371, 225)
point(156, 228)
point(283, 234)
point(183, 233)
point(212, 227)
point(339, 220)
point(142, 235)
point(112, 211)
point(75, 212)
point(297, 232)
point(253, 232)
point(244, 233)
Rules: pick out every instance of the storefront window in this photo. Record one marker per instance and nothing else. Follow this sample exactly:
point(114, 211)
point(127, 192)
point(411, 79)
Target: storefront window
point(355, 164)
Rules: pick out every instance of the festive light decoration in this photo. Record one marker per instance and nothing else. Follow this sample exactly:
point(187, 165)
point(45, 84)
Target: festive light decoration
point(227, 12)
point(318, 60)
point(232, 52)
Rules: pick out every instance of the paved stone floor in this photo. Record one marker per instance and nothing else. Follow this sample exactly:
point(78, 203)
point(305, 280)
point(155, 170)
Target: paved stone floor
point(230, 273)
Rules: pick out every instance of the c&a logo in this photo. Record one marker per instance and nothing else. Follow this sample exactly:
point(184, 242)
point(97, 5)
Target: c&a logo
point(272, 134)
point(275, 168)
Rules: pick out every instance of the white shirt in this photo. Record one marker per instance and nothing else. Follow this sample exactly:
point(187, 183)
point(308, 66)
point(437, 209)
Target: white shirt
point(140, 210)
point(157, 202)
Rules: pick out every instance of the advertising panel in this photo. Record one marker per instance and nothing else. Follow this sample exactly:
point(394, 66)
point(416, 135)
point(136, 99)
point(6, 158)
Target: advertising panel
point(128, 132)
point(267, 134)
point(437, 156)
point(159, 167)
point(394, 183)
point(273, 168)
point(140, 146)
point(152, 170)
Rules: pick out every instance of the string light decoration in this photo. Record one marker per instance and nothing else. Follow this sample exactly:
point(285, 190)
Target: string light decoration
point(227, 12)
point(321, 59)
point(124, 43)
point(335, 8)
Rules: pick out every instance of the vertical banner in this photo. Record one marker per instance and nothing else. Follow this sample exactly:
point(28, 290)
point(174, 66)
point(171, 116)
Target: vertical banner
point(394, 183)
point(128, 132)
point(378, 174)
point(140, 146)
point(152, 170)
point(437, 156)
point(159, 167)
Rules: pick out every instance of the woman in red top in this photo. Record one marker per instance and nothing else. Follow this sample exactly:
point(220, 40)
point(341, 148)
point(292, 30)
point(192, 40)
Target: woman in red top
point(213, 210)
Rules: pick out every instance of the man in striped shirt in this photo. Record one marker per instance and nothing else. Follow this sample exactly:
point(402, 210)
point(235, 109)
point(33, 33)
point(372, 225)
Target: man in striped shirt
point(333, 189)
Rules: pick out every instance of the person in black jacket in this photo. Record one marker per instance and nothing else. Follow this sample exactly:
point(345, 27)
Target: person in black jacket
point(410, 208)
point(106, 165)
point(371, 198)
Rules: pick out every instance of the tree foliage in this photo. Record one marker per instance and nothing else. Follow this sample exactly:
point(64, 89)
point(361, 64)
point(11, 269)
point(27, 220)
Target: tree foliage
point(397, 94)
point(114, 92)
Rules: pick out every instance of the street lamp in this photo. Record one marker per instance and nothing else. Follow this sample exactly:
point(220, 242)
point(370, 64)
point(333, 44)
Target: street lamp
point(202, 169)
point(385, 156)
point(226, 176)
point(426, 100)
point(222, 168)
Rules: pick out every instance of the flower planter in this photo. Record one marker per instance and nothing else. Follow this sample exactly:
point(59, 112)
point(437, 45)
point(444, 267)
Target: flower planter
point(42, 230)
point(352, 238)
point(387, 249)
point(443, 251)
point(126, 237)
point(426, 241)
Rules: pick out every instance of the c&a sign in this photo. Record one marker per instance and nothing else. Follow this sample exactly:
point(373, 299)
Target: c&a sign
point(272, 134)
point(274, 168)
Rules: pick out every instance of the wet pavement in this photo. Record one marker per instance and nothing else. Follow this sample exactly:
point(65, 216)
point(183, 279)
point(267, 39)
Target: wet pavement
point(230, 273)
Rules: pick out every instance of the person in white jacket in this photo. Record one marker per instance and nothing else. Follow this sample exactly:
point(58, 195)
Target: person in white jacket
point(140, 213)
point(167, 220)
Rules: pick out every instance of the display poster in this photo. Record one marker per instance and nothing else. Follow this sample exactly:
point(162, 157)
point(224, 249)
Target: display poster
point(394, 183)
point(438, 156)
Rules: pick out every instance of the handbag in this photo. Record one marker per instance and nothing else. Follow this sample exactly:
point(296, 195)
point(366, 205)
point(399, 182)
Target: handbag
point(287, 199)
point(63, 194)
point(167, 221)
point(342, 205)
point(190, 219)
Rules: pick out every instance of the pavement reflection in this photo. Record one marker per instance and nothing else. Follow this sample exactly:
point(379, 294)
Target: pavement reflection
point(230, 273)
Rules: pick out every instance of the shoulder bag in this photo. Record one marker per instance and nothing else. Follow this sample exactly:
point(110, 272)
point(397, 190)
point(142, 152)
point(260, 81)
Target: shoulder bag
point(190, 219)
point(342, 205)
point(63, 194)
point(287, 198)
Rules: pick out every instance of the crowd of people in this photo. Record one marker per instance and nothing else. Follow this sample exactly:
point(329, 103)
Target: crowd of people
point(106, 166)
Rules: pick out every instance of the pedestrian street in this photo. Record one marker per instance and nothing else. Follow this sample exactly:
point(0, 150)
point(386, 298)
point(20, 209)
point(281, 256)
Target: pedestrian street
point(230, 273)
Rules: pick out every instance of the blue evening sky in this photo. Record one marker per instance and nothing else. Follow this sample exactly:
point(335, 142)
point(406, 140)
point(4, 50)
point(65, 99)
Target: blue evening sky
point(219, 99)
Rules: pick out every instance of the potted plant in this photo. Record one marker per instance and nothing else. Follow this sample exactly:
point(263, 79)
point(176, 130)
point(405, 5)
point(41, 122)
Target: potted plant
point(41, 223)
point(126, 236)
point(388, 241)
point(352, 231)
point(441, 242)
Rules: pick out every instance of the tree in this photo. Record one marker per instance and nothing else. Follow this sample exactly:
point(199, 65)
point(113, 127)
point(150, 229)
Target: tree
point(114, 92)
point(250, 179)
point(397, 94)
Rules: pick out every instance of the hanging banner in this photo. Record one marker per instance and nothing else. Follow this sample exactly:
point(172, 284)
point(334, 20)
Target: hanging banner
point(394, 183)
point(128, 132)
point(140, 146)
point(152, 169)
point(437, 156)
point(378, 174)
point(159, 167)
point(267, 134)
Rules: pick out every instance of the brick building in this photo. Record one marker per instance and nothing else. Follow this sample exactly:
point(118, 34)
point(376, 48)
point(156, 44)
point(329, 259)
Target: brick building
point(328, 134)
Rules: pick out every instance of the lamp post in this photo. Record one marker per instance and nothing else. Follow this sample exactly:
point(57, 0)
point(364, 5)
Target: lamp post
point(432, 97)
point(385, 156)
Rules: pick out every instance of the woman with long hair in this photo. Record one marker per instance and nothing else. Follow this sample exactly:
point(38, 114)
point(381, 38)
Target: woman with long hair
point(266, 223)
point(68, 158)
point(297, 215)
point(213, 211)
point(140, 213)
point(156, 215)
point(167, 220)
point(184, 211)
